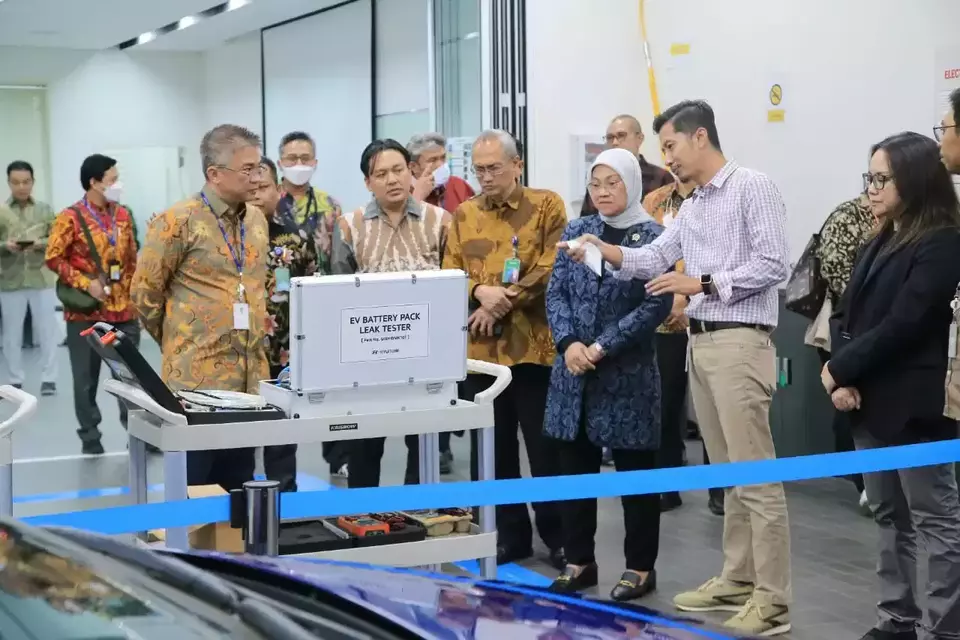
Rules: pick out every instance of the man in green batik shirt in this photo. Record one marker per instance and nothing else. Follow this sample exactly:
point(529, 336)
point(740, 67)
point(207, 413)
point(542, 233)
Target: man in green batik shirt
point(301, 236)
point(25, 281)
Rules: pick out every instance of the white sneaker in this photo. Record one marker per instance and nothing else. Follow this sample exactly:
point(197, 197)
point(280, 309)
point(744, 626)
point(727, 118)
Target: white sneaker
point(865, 508)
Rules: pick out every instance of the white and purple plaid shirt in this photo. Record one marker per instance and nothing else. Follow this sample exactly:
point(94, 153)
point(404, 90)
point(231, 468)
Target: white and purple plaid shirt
point(732, 228)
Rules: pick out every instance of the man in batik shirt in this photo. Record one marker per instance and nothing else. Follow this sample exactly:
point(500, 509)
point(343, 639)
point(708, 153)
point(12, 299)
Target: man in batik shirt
point(200, 289)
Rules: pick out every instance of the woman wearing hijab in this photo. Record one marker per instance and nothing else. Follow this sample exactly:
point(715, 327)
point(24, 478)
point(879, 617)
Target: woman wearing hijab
point(605, 386)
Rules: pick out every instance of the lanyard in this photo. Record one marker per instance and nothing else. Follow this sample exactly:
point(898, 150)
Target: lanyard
point(111, 238)
point(237, 257)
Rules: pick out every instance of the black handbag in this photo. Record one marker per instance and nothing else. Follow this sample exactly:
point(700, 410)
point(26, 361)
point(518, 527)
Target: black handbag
point(807, 288)
point(74, 299)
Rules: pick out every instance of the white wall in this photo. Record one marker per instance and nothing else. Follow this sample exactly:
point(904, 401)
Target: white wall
point(118, 100)
point(232, 78)
point(853, 72)
point(573, 88)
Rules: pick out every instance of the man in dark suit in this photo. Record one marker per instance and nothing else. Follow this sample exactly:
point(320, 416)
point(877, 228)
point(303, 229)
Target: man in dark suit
point(624, 132)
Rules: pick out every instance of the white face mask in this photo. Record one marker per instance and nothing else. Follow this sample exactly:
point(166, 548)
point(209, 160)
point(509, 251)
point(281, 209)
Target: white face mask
point(298, 175)
point(114, 193)
point(441, 175)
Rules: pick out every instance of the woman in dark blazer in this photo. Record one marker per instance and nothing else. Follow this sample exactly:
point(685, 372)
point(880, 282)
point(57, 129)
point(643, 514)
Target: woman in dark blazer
point(888, 369)
point(605, 387)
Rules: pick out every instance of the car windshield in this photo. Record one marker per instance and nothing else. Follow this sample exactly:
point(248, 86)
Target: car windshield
point(43, 595)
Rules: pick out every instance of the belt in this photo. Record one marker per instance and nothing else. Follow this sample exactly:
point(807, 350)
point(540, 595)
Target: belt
point(706, 326)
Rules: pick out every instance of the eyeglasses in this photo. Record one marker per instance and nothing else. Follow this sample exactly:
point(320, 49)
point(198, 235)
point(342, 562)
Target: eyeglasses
point(938, 131)
point(246, 172)
point(291, 159)
point(494, 171)
point(620, 136)
point(877, 180)
point(610, 186)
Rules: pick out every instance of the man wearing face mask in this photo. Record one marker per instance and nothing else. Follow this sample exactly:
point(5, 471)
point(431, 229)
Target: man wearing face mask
point(92, 248)
point(301, 234)
point(433, 183)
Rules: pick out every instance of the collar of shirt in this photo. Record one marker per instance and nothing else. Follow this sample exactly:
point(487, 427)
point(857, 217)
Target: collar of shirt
point(719, 179)
point(14, 203)
point(513, 202)
point(372, 210)
point(221, 208)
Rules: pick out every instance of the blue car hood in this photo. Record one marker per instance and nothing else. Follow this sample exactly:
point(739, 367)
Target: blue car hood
point(438, 606)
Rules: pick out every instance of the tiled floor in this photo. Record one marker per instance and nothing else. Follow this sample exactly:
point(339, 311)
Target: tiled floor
point(833, 544)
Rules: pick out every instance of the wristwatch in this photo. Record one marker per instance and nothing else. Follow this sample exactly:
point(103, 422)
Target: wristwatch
point(706, 283)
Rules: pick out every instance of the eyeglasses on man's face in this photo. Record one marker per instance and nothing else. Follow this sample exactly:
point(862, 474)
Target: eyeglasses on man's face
point(494, 170)
point(940, 130)
point(292, 159)
point(250, 172)
point(618, 136)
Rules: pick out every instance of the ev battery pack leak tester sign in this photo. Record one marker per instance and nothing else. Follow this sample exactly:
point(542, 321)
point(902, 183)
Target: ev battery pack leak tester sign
point(395, 332)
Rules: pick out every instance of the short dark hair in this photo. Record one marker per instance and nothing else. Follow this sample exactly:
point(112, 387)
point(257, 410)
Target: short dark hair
point(94, 168)
point(955, 103)
point(19, 165)
point(269, 164)
point(375, 148)
point(689, 116)
point(295, 136)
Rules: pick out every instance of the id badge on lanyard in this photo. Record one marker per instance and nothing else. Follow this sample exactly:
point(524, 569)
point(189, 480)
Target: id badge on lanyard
point(511, 266)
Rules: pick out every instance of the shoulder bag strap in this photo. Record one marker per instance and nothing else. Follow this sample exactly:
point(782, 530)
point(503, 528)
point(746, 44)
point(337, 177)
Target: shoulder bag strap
point(90, 244)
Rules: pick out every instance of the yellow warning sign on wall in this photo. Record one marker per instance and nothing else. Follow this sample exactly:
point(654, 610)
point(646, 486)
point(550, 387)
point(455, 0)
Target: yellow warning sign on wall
point(776, 95)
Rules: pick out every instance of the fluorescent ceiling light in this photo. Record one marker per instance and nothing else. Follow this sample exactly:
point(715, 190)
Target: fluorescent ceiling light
point(183, 23)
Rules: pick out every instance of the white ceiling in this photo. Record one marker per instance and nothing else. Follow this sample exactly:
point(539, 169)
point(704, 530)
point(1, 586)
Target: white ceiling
point(217, 30)
point(101, 24)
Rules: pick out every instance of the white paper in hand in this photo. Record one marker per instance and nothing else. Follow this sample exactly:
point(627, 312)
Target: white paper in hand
point(593, 259)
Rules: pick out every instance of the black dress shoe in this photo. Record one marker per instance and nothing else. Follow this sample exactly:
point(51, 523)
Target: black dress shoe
point(506, 555)
point(880, 634)
point(92, 447)
point(716, 502)
point(558, 559)
point(631, 586)
point(670, 501)
point(570, 581)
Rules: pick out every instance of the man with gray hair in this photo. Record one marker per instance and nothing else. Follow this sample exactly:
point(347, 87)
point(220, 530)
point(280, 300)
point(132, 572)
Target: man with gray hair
point(505, 240)
point(433, 183)
point(199, 289)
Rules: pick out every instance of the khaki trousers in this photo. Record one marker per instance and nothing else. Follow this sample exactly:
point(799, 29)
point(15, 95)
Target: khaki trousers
point(732, 379)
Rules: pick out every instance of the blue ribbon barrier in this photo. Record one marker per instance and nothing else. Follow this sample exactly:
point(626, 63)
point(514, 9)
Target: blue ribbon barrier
point(309, 504)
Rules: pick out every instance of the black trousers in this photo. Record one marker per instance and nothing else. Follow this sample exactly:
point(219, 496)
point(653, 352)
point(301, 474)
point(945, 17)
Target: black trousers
point(280, 461)
point(523, 402)
point(229, 468)
point(842, 432)
point(641, 514)
point(365, 457)
point(672, 361)
point(85, 369)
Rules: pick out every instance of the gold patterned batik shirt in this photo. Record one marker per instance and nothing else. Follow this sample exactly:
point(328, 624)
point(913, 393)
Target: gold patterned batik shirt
point(480, 242)
point(186, 286)
point(663, 205)
point(366, 241)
